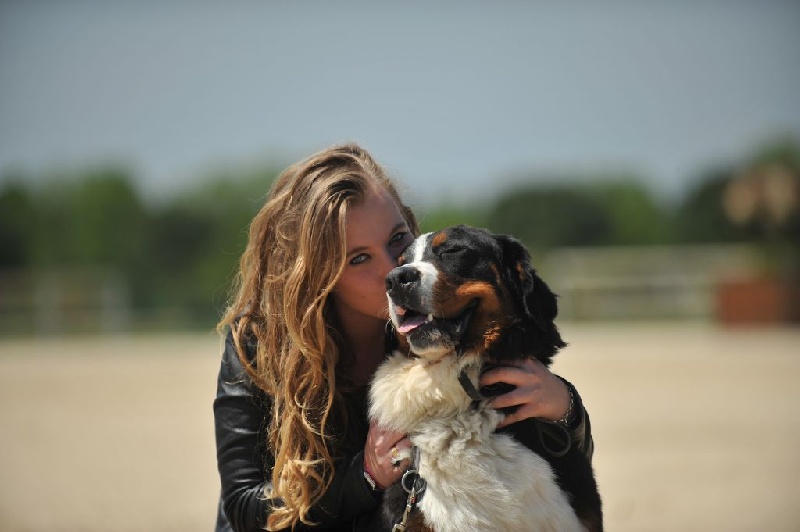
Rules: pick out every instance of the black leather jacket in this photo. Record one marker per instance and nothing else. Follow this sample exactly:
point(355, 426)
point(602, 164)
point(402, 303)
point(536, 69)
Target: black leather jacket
point(245, 462)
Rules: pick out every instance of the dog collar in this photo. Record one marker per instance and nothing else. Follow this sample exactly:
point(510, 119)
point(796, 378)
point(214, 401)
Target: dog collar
point(485, 392)
point(470, 388)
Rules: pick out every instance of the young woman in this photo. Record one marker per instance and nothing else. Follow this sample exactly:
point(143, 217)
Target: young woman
point(303, 335)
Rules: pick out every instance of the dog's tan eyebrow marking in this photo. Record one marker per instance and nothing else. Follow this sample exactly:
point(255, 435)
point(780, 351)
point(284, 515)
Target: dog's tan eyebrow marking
point(521, 271)
point(439, 239)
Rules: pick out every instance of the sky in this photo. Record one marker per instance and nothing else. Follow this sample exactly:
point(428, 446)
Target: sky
point(455, 98)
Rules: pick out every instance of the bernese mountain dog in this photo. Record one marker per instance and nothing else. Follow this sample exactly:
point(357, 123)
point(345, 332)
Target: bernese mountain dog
point(463, 298)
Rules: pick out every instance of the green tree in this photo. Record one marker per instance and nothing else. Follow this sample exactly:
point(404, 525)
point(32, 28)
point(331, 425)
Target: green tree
point(16, 224)
point(95, 218)
point(551, 215)
point(635, 217)
point(441, 216)
point(195, 240)
point(701, 217)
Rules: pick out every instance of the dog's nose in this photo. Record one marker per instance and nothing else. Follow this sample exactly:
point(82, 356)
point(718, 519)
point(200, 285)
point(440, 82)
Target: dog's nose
point(402, 275)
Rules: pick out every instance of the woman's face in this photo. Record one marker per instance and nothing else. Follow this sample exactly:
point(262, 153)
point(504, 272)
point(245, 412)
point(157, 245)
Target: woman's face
point(376, 235)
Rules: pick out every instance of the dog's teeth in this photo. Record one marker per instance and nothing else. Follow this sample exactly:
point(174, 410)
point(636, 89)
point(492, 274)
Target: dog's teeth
point(430, 317)
point(400, 311)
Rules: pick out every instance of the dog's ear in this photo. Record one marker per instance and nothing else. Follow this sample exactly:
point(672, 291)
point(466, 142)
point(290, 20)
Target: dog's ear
point(533, 298)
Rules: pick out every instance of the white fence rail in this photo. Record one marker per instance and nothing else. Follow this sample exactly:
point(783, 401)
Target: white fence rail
point(592, 284)
point(643, 282)
point(65, 300)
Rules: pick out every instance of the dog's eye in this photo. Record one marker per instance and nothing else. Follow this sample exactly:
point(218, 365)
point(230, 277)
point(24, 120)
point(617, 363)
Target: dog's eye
point(452, 251)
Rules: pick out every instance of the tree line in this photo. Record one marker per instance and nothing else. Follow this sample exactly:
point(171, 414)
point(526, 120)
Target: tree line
point(181, 252)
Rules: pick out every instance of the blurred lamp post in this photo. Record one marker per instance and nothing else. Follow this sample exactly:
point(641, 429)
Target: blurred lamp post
point(765, 201)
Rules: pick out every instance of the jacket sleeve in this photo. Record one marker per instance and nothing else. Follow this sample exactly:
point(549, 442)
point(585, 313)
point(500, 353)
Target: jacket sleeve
point(245, 462)
point(238, 420)
point(529, 433)
point(579, 426)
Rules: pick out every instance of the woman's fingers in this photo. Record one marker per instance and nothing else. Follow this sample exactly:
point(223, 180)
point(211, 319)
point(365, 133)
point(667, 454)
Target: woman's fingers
point(386, 455)
point(537, 392)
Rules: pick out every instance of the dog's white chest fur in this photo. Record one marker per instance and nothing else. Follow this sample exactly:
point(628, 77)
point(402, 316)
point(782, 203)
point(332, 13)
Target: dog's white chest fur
point(478, 480)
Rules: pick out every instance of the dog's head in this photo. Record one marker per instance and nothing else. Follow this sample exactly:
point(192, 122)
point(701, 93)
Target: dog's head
point(464, 289)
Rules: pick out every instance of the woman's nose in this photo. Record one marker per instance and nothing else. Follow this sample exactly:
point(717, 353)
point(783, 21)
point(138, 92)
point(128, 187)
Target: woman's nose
point(389, 262)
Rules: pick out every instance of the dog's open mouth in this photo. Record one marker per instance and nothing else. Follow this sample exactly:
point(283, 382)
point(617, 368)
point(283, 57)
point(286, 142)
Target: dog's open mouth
point(410, 320)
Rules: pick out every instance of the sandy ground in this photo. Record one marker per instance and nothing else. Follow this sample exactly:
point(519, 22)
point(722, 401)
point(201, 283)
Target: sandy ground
point(696, 428)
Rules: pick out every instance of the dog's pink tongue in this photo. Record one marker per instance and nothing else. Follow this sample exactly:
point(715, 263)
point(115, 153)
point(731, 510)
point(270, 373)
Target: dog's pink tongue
point(410, 324)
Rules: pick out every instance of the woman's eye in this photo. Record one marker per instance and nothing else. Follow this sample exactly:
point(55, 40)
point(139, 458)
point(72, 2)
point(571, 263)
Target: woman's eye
point(399, 243)
point(358, 259)
point(398, 237)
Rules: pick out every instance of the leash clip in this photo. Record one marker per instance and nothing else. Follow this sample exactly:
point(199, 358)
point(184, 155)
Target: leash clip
point(414, 485)
point(418, 483)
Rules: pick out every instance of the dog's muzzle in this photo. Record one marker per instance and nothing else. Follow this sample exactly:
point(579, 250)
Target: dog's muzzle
point(402, 280)
point(415, 313)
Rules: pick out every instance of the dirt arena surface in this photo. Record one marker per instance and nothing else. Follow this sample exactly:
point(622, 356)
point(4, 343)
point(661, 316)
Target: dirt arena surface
point(696, 429)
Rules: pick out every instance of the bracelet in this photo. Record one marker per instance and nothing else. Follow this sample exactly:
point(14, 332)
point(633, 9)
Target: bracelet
point(373, 485)
point(566, 419)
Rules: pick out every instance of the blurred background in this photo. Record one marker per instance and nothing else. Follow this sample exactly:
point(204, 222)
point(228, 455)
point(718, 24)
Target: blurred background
point(648, 154)
point(645, 154)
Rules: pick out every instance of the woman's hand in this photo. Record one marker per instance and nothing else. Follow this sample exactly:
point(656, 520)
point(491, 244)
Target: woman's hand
point(538, 392)
point(380, 460)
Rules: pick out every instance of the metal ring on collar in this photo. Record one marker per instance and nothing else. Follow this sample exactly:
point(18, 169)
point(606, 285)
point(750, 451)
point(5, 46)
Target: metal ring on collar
point(418, 483)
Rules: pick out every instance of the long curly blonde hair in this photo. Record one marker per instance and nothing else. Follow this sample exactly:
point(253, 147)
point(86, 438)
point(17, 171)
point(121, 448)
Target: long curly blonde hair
point(294, 256)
